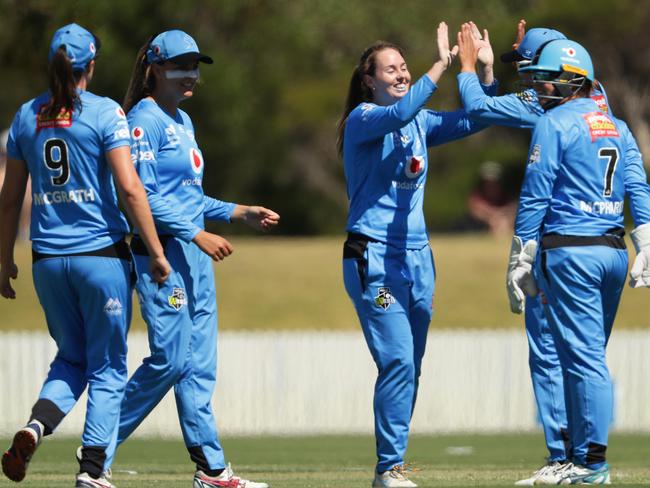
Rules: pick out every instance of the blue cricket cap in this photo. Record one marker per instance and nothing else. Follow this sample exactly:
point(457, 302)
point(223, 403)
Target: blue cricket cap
point(175, 46)
point(81, 45)
point(530, 44)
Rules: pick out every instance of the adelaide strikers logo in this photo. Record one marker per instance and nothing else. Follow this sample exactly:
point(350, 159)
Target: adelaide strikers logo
point(177, 299)
point(414, 167)
point(384, 298)
point(137, 133)
point(196, 160)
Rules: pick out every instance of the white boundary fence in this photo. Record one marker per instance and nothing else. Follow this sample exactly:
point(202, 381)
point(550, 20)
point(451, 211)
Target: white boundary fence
point(322, 382)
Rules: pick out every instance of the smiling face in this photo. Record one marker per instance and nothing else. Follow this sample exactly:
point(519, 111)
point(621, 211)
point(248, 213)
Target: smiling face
point(391, 80)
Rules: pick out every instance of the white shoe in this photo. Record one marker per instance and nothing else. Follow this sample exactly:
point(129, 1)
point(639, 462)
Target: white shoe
point(393, 478)
point(226, 479)
point(581, 475)
point(84, 480)
point(549, 474)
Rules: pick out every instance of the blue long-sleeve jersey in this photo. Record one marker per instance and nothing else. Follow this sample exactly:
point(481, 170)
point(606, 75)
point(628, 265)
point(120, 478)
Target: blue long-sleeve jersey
point(170, 165)
point(386, 162)
point(582, 164)
point(74, 204)
point(521, 109)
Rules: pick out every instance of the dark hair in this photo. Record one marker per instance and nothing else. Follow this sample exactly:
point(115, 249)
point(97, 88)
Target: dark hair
point(587, 88)
point(63, 85)
point(142, 82)
point(358, 91)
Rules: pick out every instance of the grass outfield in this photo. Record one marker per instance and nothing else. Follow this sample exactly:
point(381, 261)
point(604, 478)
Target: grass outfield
point(282, 283)
point(336, 462)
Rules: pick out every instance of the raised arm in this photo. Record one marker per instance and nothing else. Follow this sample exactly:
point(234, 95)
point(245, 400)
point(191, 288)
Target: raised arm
point(371, 121)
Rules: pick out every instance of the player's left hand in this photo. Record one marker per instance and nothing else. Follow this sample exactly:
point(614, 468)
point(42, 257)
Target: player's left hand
point(8, 273)
point(482, 43)
point(445, 54)
point(261, 218)
point(467, 49)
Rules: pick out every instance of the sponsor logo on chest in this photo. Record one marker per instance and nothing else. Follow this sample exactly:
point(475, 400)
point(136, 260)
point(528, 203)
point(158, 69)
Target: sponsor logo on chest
point(196, 160)
point(414, 167)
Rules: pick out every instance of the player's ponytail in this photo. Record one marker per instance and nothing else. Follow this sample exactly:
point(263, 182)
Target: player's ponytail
point(142, 82)
point(63, 85)
point(358, 91)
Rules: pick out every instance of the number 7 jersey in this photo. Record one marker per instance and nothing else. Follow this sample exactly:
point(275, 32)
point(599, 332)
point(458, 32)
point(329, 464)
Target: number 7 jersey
point(582, 164)
point(74, 204)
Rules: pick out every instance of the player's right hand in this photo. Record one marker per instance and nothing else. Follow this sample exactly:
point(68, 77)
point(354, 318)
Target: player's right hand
point(213, 245)
point(8, 273)
point(159, 269)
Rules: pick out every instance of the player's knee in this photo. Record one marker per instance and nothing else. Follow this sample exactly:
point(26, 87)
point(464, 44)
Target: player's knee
point(398, 367)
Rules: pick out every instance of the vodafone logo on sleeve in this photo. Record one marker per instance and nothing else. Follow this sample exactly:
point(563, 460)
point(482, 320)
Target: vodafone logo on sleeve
point(196, 160)
point(137, 133)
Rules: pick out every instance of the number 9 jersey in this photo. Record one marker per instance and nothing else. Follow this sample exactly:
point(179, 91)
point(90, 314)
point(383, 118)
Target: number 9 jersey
point(581, 165)
point(74, 207)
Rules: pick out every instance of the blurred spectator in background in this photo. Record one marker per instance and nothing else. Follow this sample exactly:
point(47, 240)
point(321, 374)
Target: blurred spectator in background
point(490, 205)
point(23, 225)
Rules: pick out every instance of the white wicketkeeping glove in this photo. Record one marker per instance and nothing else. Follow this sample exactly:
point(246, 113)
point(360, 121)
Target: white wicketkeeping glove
point(519, 280)
point(640, 272)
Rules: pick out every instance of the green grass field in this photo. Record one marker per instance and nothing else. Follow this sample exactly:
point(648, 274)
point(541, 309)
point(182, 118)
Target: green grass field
point(333, 462)
point(281, 283)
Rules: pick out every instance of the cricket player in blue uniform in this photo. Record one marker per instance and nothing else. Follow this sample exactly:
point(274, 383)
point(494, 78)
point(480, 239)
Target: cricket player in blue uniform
point(181, 315)
point(523, 110)
point(582, 164)
point(73, 144)
point(388, 266)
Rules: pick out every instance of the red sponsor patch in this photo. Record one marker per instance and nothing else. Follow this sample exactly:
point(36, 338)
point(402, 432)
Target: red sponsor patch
point(600, 125)
point(44, 121)
point(120, 113)
point(197, 161)
point(137, 133)
point(601, 101)
point(414, 167)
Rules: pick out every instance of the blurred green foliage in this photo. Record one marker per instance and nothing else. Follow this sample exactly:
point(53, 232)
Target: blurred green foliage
point(266, 111)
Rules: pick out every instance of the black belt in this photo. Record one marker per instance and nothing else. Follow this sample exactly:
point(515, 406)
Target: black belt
point(138, 247)
point(613, 238)
point(356, 244)
point(119, 250)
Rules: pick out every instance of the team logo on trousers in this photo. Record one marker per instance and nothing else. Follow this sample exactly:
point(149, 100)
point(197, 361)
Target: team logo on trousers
point(414, 167)
point(384, 298)
point(177, 299)
point(113, 307)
